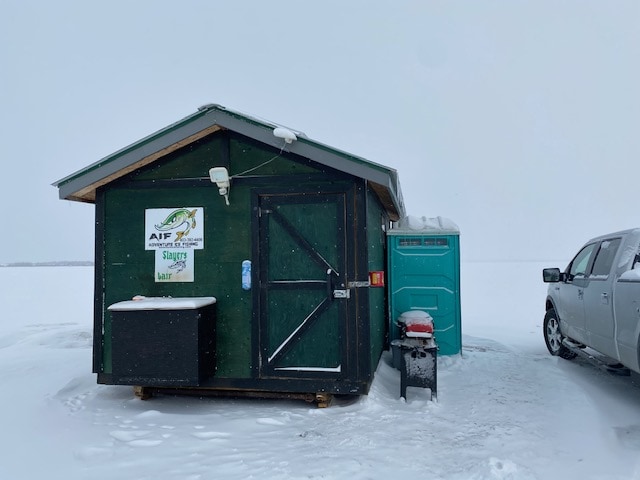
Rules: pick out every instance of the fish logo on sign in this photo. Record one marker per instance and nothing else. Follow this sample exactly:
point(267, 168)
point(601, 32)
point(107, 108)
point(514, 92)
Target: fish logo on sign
point(179, 266)
point(177, 219)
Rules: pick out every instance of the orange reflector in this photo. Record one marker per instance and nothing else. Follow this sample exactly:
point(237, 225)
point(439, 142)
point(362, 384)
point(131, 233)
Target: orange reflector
point(376, 279)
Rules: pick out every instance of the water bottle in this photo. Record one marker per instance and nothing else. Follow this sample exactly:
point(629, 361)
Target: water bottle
point(246, 274)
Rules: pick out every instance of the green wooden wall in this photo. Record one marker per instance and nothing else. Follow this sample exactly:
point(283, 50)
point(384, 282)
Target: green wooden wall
point(128, 269)
point(376, 248)
point(181, 180)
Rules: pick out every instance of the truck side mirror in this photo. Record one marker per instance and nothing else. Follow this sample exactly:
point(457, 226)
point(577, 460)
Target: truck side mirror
point(551, 275)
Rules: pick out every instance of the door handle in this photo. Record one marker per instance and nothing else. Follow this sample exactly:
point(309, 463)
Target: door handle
point(335, 293)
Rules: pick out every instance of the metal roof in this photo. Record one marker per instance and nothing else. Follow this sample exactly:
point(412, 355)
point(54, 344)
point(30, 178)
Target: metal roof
point(81, 185)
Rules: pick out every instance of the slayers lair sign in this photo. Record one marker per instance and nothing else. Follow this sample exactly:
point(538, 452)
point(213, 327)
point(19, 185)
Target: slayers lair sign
point(174, 234)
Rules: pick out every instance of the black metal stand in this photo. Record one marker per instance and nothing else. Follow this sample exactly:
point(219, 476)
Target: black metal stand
point(418, 365)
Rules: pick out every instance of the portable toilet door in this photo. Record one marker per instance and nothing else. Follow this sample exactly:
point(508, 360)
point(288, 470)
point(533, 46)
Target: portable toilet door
point(424, 274)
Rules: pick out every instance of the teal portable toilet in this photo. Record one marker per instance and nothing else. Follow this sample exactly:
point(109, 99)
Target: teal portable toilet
point(424, 274)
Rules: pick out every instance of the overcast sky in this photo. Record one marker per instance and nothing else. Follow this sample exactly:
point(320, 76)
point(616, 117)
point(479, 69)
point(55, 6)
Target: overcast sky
point(518, 120)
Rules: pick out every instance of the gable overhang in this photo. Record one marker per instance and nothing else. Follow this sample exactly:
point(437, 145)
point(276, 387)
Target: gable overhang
point(81, 186)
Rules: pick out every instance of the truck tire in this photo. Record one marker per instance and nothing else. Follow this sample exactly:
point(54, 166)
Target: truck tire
point(553, 337)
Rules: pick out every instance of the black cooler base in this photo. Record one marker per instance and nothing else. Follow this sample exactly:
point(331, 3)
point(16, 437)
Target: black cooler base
point(169, 348)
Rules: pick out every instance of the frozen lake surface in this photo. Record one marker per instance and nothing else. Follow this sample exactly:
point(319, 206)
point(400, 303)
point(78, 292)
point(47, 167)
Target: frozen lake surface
point(506, 409)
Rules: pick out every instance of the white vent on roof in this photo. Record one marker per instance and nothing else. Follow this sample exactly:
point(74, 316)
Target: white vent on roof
point(207, 106)
point(285, 133)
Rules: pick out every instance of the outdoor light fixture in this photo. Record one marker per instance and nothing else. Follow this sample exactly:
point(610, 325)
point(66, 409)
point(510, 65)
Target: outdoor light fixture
point(220, 177)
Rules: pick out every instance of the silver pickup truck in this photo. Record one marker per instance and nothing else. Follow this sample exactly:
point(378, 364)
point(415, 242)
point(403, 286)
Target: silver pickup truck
point(595, 303)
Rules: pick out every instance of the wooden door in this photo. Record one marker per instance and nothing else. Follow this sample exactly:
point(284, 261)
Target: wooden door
point(302, 276)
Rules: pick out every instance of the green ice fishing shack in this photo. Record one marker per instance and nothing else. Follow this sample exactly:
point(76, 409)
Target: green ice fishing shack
point(237, 256)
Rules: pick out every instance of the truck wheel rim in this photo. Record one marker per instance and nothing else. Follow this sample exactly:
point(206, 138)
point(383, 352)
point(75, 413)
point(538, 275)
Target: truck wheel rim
point(553, 334)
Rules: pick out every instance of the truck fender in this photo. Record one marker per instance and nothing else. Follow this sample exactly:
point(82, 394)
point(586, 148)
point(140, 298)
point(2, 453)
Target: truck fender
point(549, 304)
point(636, 367)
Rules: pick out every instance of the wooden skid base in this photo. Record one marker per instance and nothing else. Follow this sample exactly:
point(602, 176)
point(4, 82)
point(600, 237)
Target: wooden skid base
point(322, 400)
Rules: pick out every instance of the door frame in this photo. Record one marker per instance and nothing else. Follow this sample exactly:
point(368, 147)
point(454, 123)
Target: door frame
point(348, 321)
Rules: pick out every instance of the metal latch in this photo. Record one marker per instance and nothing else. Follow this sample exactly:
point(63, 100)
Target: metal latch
point(342, 294)
point(360, 284)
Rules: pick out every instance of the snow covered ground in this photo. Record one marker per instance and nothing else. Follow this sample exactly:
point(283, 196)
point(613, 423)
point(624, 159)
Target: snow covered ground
point(506, 409)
